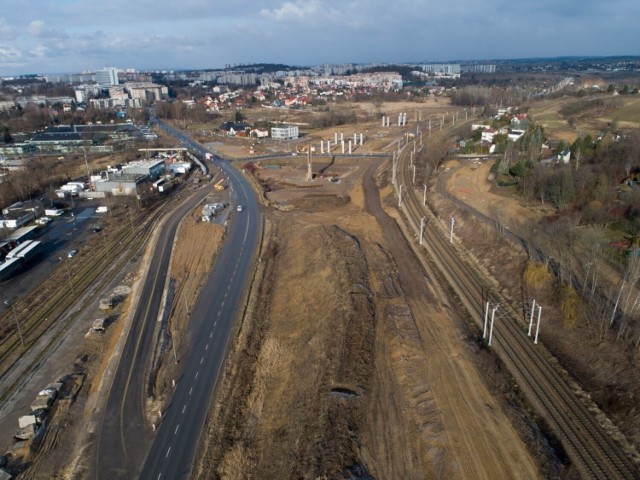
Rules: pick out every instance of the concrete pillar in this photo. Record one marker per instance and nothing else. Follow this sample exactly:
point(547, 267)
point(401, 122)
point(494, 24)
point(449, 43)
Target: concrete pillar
point(349, 147)
point(361, 139)
point(355, 138)
point(321, 146)
point(328, 146)
point(342, 146)
point(384, 120)
point(335, 140)
point(399, 119)
point(342, 136)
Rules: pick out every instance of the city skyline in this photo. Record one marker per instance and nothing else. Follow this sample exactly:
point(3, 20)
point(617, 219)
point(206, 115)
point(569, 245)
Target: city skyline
point(38, 36)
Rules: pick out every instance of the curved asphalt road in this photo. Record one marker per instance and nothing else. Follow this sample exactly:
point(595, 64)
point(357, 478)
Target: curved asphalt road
point(124, 436)
point(212, 319)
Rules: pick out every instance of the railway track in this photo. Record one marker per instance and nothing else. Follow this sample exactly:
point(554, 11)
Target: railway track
point(59, 292)
point(592, 451)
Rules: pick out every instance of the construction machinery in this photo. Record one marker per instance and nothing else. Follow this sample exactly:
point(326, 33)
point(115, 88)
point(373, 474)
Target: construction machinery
point(219, 186)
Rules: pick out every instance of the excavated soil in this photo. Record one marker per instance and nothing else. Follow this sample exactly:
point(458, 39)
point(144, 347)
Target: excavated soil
point(352, 362)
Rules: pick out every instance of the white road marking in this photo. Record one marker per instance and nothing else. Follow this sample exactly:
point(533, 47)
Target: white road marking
point(211, 335)
point(176, 431)
point(190, 390)
point(196, 377)
point(167, 455)
point(184, 408)
point(215, 323)
point(201, 360)
point(206, 347)
point(159, 475)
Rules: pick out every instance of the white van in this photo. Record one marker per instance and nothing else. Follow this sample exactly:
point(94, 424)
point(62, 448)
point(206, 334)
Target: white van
point(102, 209)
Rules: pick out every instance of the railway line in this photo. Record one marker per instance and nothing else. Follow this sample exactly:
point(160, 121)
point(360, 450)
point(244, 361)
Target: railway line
point(59, 292)
point(592, 450)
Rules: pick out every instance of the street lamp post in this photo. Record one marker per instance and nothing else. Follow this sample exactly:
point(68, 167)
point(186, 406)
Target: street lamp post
point(68, 275)
point(15, 316)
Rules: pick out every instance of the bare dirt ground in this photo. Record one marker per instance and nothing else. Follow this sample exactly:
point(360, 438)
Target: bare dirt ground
point(604, 367)
point(351, 362)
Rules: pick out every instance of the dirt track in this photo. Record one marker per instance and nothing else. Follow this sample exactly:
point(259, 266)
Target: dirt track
point(353, 363)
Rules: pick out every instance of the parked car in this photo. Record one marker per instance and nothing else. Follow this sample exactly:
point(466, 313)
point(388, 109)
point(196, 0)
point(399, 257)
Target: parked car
point(239, 208)
point(72, 253)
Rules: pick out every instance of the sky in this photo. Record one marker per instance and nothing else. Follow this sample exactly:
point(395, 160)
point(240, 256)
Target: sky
point(63, 36)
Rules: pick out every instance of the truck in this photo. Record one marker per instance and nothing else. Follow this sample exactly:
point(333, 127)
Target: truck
point(102, 209)
point(53, 212)
point(208, 156)
point(219, 186)
point(9, 267)
point(25, 251)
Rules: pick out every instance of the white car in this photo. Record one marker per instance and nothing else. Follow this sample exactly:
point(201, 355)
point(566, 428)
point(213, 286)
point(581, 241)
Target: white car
point(239, 208)
point(72, 253)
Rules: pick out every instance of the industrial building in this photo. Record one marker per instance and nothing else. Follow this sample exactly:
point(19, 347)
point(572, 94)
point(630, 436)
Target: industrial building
point(119, 184)
point(152, 168)
point(19, 214)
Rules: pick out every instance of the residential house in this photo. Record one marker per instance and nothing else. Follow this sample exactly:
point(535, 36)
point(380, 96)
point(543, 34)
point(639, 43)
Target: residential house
point(232, 128)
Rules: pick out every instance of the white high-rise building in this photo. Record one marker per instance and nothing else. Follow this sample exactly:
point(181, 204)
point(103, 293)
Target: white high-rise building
point(107, 77)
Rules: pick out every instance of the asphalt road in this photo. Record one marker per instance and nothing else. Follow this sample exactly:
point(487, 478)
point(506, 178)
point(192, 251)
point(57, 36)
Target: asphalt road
point(124, 437)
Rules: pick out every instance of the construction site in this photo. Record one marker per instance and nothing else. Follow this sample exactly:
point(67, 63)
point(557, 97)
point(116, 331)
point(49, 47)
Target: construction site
point(355, 356)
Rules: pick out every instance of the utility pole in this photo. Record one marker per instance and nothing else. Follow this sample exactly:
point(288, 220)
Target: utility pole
point(133, 230)
point(535, 340)
point(400, 197)
point(68, 275)
point(422, 225)
point(414, 174)
point(394, 167)
point(424, 196)
point(15, 316)
point(533, 309)
point(453, 222)
point(493, 315)
point(486, 316)
point(309, 163)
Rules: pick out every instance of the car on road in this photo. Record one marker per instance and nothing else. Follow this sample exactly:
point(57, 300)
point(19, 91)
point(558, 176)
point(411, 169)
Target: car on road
point(72, 253)
point(239, 208)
